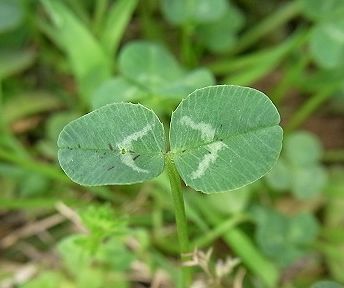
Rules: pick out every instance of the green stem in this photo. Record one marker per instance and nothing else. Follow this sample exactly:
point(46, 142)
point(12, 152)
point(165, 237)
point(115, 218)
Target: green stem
point(248, 68)
point(150, 28)
point(294, 71)
point(187, 55)
point(219, 230)
point(100, 9)
point(179, 207)
point(308, 108)
point(270, 24)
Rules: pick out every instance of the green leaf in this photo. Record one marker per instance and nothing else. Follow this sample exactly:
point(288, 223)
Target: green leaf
point(11, 14)
point(231, 202)
point(120, 143)
point(327, 44)
point(188, 83)
point(32, 102)
point(90, 64)
point(283, 238)
point(225, 137)
point(219, 36)
point(149, 65)
point(302, 149)
point(308, 181)
point(151, 74)
point(280, 178)
point(190, 11)
point(15, 61)
point(115, 90)
point(320, 9)
point(116, 23)
point(299, 169)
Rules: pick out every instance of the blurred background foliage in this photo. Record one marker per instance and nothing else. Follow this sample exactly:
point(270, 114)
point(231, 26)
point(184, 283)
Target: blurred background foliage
point(61, 59)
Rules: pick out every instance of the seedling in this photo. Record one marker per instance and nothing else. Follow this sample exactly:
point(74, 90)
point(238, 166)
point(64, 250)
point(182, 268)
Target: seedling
point(221, 138)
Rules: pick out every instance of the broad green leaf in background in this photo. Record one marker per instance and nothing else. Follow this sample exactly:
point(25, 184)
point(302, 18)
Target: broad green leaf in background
point(220, 35)
point(187, 83)
point(150, 65)
point(299, 168)
point(308, 182)
point(303, 149)
point(117, 144)
point(90, 64)
point(327, 37)
point(193, 11)
point(231, 202)
point(327, 43)
point(11, 14)
point(279, 177)
point(285, 239)
point(225, 137)
point(149, 71)
point(115, 90)
point(323, 10)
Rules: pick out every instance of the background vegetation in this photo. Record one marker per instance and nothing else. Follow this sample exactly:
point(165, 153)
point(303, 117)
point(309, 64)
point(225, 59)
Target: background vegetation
point(61, 59)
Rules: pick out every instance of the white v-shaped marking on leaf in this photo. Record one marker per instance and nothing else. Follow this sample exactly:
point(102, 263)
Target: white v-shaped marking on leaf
point(126, 145)
point(207, 134)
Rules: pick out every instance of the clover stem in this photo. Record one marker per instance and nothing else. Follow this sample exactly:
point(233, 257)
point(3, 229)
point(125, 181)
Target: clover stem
point(187, 53)
point(179, 208)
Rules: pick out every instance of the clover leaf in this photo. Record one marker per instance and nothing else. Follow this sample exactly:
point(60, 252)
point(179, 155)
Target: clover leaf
point(148, 70)
point(221, 138)
point(224, 137)
point(117, 144)
point(299, 167)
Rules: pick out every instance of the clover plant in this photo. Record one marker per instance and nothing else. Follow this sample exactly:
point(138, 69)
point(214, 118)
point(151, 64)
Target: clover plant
point(289, 242)
point(327, 35)
point(299, 169)
point(221, 138)
point(149, 73)
point(214, 23)
point(11, 14)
